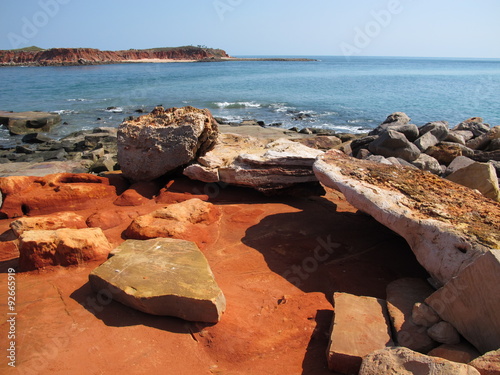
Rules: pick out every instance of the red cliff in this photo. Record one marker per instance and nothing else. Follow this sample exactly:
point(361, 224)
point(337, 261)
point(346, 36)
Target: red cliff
point(90, 56)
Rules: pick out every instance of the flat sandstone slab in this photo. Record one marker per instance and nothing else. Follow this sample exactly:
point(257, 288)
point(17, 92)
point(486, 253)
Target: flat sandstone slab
point(360, 327)
point(162, 277)
point(447, 225)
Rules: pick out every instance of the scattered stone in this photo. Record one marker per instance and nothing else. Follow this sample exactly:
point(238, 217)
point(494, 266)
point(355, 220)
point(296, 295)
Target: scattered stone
point(186, 220)
point(362, 143)
point(427, 163)
point(360, 326)
point(458, 137)
point(63, 247)
point(320, 142)
point(50, 222)
point(378, 159)
point(104, 164)
point(466, 302)
point(481, 142)
point(403, 361)
point(480, 176)
point(458, 163)
point(36, 138)
point(431, 134)
point(155, 144)
point(392, 143)
point(28, 122)
point(494, 145)
point(446, 225)
point(402, 295)
point(41, 168)
point(163, 277)
point(476, 127)
point(444, 333)
point(424, 315)
point(461, 353)
point(488, 364)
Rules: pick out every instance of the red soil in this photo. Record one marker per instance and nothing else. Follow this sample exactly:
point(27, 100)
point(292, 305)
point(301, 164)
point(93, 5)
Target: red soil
point(272, 325)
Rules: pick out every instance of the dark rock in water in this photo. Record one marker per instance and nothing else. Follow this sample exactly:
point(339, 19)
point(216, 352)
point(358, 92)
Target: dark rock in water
point(278, 124)
point(139, 110)
point(28, 122)
point(392, 143)
point(294, 129)
point(305, 131)
point(36, 138)
point(65, 123)
point(98, 119)
point(261, 123)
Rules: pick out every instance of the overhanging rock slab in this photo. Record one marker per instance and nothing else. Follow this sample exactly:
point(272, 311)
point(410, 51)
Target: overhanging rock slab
point(162, 276)
point(447, 226)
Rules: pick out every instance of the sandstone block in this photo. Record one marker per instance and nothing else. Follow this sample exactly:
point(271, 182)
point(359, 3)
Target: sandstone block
point(360, 326)
point(162, 277)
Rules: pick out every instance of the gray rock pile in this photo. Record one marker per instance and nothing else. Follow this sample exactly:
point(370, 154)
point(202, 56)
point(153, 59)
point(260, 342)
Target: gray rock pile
point(438, 149)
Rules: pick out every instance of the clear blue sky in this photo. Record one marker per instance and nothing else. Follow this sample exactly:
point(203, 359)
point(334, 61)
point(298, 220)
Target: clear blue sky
point(432, 28)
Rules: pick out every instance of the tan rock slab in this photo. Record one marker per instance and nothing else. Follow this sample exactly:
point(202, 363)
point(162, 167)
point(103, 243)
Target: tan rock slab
point(162, 277)
point(403, 361)
point(480, 176)
point(462, 353)
point(471, 303)
point(360, 326)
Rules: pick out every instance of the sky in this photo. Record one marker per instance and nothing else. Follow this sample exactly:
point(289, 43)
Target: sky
point(420, 28)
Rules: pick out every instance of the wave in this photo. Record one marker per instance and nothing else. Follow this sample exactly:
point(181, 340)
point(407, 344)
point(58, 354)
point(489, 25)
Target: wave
point(78, 100)
point(114, 109)
point(223, 105)
point(65, 112)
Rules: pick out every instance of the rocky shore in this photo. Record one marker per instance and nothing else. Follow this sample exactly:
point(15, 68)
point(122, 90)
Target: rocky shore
point(251, 249)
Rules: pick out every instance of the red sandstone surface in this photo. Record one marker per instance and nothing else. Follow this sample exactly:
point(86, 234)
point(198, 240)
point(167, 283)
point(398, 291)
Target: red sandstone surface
point(278, 261)
point(73, 56)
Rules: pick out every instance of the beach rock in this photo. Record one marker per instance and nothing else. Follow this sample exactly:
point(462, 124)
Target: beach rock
point(447, 226)
point(474, 125)
point(402, 294)
point(457, 137)
point(138, 194)
point(155, 144)
point(189, 220)
point(268, 167)
point(488, 364)
point(480, 176)
point(378, 159)
point(104, 164)
point(446, 152)
point(63, 247)
point(392, 143)
point(424, 315)
point(494, 145)
point(403, 361)
point(485, 156)
point(41, 168)
point(431, 134)
point(481, 142)
point(397, 117)
point(444, 333)
point(163, 277)
point(461, 353)
point(466, 302)
point(28, 122)
point(458, 163)
point(360, 326)
point(362, 143)
point(49, 222)
point(427, 163)
point(409, 130)
point(36, 138)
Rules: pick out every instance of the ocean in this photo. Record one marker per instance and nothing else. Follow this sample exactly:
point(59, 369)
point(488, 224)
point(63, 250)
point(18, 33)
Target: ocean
point(347, 95)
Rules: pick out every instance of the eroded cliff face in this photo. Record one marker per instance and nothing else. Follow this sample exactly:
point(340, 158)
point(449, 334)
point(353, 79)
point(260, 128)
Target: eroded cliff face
point(89, 56)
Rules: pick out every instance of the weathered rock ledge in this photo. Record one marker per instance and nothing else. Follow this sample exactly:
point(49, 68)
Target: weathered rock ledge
point(447, 225)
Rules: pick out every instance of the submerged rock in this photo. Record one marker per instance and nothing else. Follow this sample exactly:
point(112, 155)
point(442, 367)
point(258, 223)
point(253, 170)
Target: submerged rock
point(155, 144)
point(29, 122)
point(162, 277)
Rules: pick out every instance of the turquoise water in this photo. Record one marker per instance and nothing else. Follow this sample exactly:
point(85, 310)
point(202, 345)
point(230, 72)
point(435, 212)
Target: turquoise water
point(350, 95)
